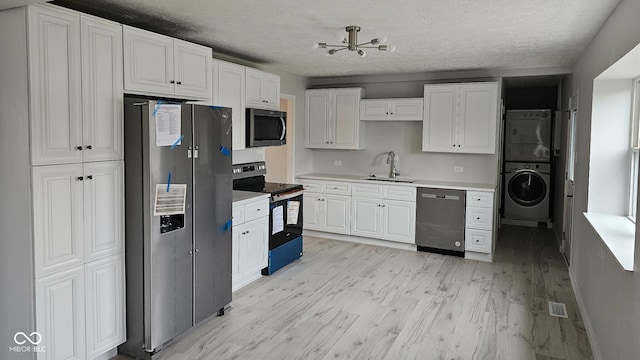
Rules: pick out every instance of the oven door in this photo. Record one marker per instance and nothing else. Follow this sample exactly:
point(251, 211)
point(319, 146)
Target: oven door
point(285, 218)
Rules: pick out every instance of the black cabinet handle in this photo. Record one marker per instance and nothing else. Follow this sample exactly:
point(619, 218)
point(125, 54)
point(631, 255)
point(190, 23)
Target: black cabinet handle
point(79, 148)
point(90, 177)
point(88, 147)
point(172, 82)
point(80, 178)
point(179, 83)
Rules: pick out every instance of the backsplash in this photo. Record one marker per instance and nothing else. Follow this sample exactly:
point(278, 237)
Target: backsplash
point(405, 139)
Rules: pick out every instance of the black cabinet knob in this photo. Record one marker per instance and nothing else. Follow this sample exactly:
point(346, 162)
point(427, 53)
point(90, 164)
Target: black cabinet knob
point(80, 178)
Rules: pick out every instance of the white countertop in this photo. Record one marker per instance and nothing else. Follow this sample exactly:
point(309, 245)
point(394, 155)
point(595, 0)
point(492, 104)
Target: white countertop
point(415, 182)
point(241, 197)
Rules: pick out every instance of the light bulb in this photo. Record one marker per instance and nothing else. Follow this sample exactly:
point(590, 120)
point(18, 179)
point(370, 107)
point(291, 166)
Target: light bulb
point(362, 53)
point(379, 40)
point(391, 48)
point(331, 52)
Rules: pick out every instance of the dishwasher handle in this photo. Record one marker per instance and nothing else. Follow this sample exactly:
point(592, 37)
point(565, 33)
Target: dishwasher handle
point(440, 197)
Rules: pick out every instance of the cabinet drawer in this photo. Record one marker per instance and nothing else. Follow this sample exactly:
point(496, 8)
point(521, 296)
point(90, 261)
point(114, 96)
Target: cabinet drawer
point(256, 210)
point(406, 193)
point(237, 214)
point(334, 187)
point(312, 185)
point(477, 240)
point(366, 191)
point(479, 218)
point(479, 199)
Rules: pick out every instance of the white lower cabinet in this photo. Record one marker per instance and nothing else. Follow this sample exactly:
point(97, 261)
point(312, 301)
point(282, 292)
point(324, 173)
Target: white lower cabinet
point(249, 241)
point(376, 217)
point(327, 212)
point(105, 304)
point(479, 222)
point(60, 314)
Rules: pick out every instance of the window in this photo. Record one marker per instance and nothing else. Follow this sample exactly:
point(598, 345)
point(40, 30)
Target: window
point(635, 150)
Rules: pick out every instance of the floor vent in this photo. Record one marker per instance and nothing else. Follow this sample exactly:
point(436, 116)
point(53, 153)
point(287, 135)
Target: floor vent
point(558, 309)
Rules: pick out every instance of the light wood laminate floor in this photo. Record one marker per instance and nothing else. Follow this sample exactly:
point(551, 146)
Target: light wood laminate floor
point(350, 301)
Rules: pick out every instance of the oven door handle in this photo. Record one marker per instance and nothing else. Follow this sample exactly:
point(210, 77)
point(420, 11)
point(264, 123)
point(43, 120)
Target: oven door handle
point(285, 196)
point(284, 129)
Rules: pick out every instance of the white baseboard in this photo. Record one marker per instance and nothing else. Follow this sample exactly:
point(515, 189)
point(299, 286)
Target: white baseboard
point(107, 355)
point(529, 223)
point(595, 349)
point(472, 255)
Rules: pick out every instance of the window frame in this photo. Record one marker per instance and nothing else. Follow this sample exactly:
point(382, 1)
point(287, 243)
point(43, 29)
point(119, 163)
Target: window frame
point(634, 151)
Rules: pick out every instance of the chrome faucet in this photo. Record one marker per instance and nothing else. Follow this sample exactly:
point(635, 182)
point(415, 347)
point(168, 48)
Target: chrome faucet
point(391, 159)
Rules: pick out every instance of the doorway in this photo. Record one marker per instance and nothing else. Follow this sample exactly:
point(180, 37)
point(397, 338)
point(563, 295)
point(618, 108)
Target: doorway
point(567, 224)
point(280, 159)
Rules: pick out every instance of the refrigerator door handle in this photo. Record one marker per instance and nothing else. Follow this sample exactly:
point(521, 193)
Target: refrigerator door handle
point(189, 152)
point(195, 153)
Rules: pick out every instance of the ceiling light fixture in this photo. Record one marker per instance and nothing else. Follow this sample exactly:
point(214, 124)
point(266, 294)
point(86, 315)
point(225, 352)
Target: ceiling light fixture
point(351, 43)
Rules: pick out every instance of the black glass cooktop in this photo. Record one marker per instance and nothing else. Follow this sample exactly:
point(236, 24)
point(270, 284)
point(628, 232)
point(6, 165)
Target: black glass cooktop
point(266, 187)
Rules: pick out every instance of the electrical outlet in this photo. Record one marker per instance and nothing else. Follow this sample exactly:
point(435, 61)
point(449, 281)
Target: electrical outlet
point(337, 162)
point(458, 169)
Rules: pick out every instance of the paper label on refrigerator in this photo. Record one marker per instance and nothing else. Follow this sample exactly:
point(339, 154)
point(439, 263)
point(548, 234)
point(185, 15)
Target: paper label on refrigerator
point(293, 211)
point(171, 202)
point(278, 220)
point(168, 125)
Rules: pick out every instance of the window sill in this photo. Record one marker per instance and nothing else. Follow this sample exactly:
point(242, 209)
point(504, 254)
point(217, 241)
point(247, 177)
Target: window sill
point(618, 233)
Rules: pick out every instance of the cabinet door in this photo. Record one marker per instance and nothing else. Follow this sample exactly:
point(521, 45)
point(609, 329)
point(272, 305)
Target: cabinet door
point(406, 109)
point(230, 92)
point(102, 102)
point(478, 118)
point(148, 62)
point(374, 110)
point(57, 217)
point(317, 114)
point(254, 248)
point(312, 211)
point(337, 211)
point(254, 88)
point(105, 304)
point(103, 208)
point(60, 315)
point(399, 221)
point(440, 114)
point(192, 70)
point(365, 219)
point(271, 91)
point(344, 127)
point(55, 86)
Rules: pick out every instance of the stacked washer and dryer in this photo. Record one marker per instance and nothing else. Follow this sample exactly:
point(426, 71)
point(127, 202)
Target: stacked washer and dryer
point(527, 167)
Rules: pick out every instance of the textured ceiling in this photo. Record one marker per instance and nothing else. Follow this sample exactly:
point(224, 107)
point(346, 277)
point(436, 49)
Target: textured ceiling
point(429, 35)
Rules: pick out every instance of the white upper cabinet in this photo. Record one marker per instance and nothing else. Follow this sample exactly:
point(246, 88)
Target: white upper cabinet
point(460, 117)
point(102, 89)
point(192, 70)
point(55, 86)
point(332, 119)
point(229, 91)
point(262, 90)
point(409, 109)
point(159, 65)
point(75, 87)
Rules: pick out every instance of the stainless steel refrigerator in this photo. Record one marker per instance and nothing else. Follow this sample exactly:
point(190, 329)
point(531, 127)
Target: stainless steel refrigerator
point(178, 187)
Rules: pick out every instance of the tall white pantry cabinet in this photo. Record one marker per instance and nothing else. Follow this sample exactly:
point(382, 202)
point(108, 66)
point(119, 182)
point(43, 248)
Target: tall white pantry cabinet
point(62, 200)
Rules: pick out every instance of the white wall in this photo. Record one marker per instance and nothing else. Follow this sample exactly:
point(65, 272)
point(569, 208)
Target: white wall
point(610, 296)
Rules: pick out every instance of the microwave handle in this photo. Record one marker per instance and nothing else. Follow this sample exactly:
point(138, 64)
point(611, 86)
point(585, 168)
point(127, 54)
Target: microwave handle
point(284, 129)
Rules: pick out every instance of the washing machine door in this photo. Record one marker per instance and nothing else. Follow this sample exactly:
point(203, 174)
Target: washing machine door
point(527, 188)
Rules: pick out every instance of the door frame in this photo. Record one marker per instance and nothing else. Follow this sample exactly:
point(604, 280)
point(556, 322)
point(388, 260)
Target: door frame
point(566, 245)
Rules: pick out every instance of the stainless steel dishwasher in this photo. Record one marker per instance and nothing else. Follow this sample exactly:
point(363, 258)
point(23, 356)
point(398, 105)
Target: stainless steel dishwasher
point(440, 221)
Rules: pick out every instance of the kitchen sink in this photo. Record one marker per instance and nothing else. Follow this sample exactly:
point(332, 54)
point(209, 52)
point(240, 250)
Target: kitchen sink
point(390, 180)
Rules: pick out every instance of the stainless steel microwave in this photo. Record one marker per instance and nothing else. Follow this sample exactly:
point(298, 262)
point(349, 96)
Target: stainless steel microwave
point(266, 128)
